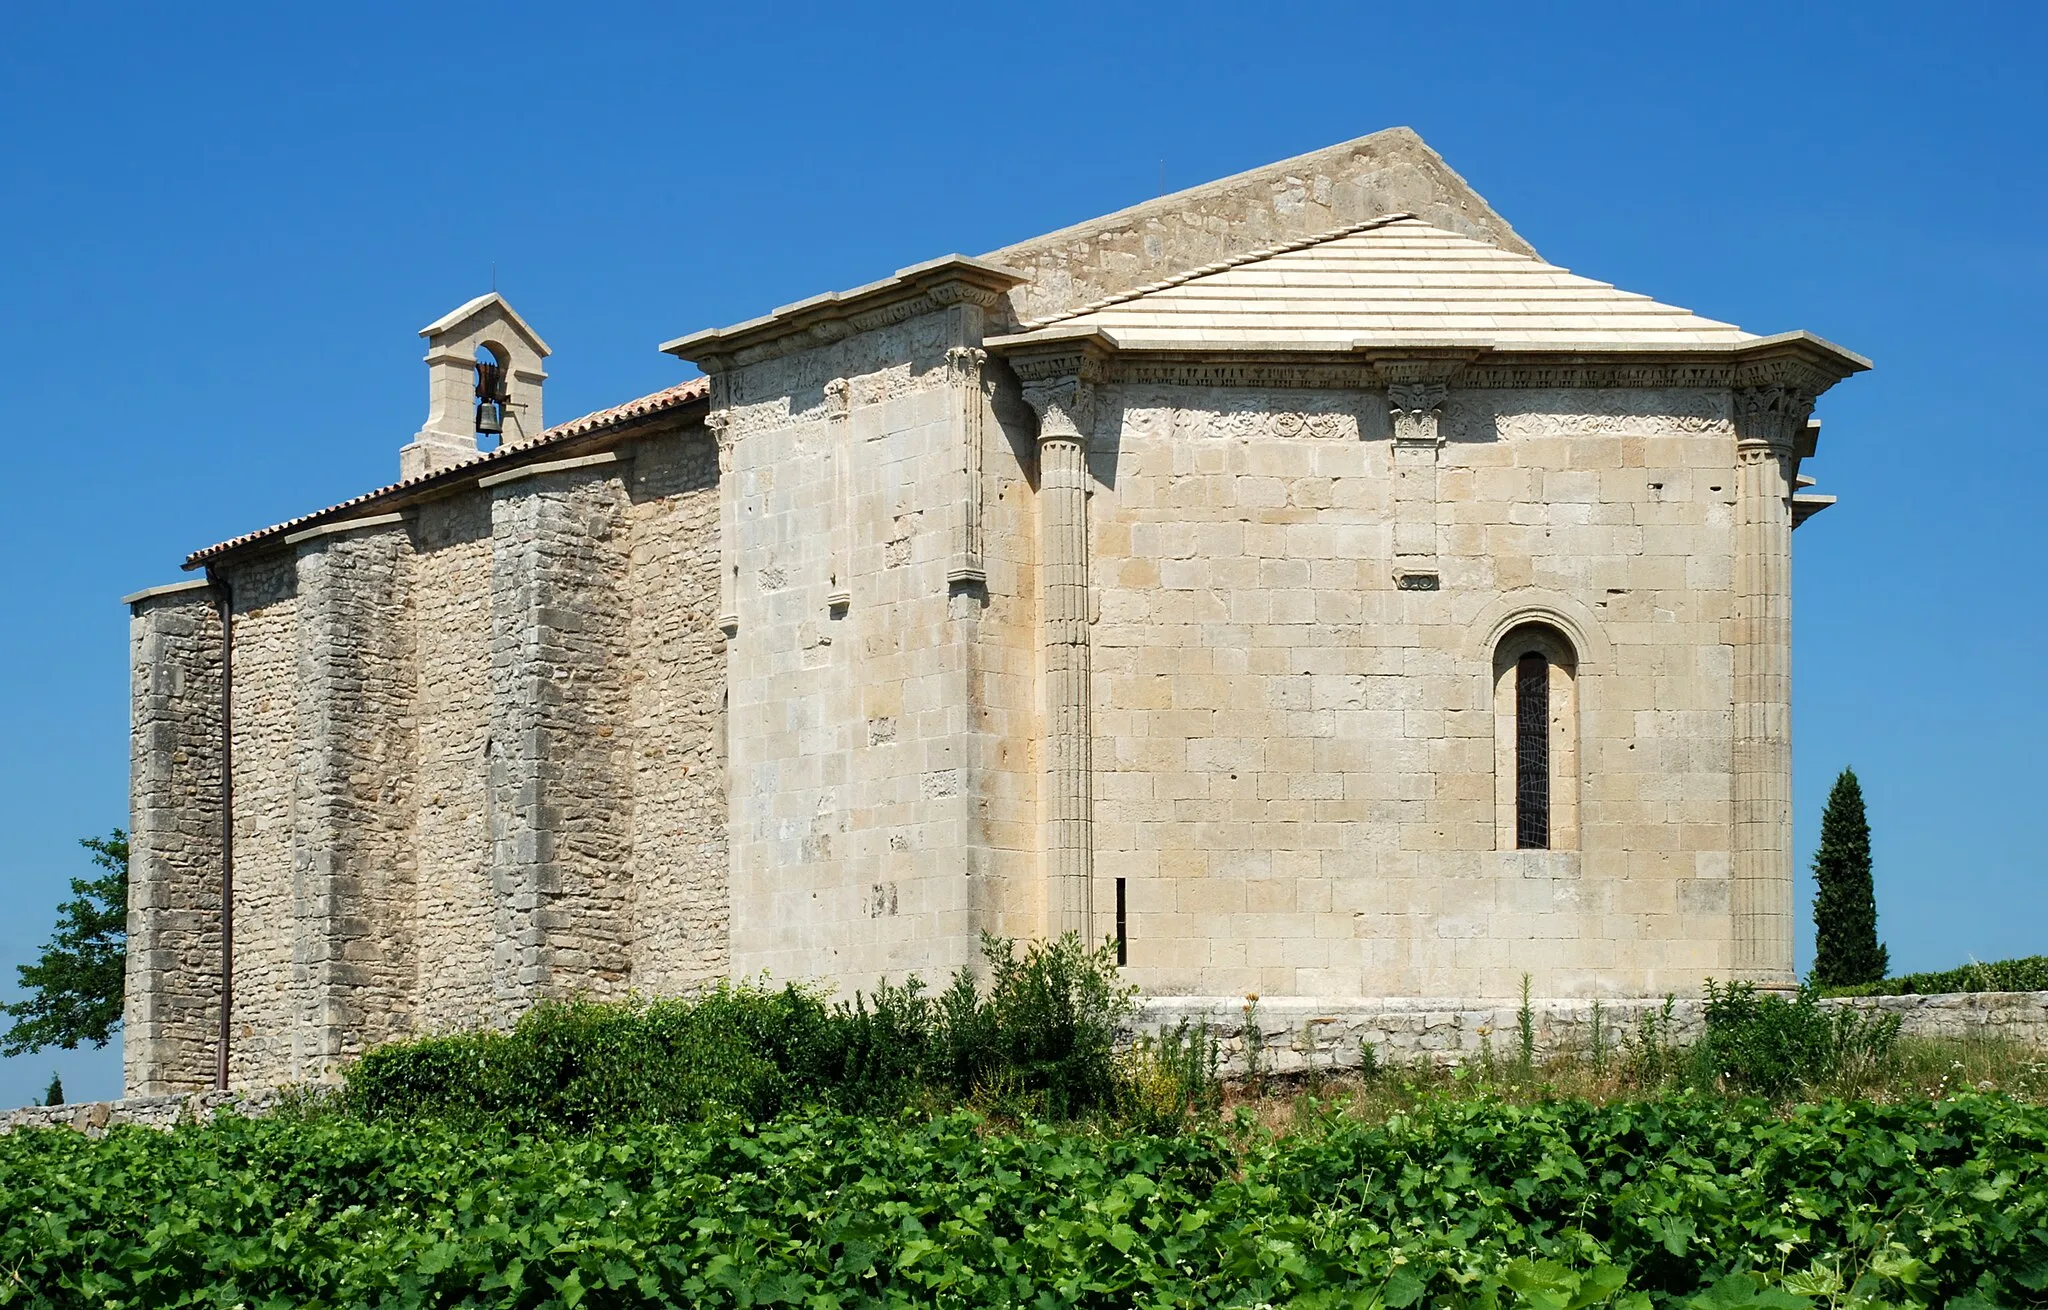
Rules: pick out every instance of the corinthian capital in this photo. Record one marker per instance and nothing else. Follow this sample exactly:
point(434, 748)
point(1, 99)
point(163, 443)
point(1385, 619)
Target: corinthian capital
point(1768, 418)
point(1065, 405)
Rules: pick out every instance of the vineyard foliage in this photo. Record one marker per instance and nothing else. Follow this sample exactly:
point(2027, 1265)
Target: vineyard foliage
point(2027, 974)
point(1686, 1200)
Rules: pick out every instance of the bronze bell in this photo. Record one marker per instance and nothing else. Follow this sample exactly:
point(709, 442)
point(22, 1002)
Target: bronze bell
point(490, 418)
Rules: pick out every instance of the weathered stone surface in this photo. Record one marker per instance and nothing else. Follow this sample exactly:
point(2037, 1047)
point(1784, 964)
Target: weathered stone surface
point(173, 985)
point(1298, 1034)
point(907, 625)
point(1388, 172)
point(93, 1118)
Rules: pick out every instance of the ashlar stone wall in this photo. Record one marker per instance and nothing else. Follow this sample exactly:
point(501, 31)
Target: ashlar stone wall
point(883, 662)
point(1297, 756)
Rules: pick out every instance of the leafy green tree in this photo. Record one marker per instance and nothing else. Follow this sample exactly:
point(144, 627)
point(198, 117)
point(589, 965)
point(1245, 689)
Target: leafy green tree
point(55, 1094)
point(1846, 949)
point(75, 989)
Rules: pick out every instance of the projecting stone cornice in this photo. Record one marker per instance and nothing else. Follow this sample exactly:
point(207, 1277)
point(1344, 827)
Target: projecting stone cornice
point(1799, 361)
point(821, 320)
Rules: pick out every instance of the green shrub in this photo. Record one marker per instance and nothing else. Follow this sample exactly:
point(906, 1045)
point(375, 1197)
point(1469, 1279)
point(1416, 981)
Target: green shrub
point(2029, 974)
point(1770, 1046)
point(575, 1064)
point(1041, 1039)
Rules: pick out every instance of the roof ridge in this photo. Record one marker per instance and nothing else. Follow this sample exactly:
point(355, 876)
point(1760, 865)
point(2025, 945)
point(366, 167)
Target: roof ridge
point(1224, 266)
point(654, 402)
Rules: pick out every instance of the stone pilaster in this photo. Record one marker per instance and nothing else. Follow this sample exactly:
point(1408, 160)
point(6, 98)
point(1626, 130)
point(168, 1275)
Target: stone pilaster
point(1767, 419)
point(1416, 390)
point(560, 776)
point(170, 1019)
point(964, 365)
point(718, 421)
point(1064, 401)
point(354, 967)
point(839, 450)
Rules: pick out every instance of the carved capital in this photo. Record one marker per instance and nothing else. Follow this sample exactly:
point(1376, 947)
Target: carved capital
point(964, 365)
point(1769, 418)
point(1065, 406)
point(1416, 408)
point(719, 423)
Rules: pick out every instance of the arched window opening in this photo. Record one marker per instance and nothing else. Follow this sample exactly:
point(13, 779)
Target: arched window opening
point(1536, 743)
point(493, 393)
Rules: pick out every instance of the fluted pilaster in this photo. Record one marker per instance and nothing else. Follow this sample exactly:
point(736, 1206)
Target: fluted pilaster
point(1767, 420)
point(1064, 403)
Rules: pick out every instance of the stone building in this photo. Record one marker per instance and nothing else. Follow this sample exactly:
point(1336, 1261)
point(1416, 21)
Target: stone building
point(1296, 578)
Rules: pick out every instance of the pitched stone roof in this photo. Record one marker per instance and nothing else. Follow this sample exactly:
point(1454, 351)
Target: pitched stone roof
point(1393, 281)
point(590, 425)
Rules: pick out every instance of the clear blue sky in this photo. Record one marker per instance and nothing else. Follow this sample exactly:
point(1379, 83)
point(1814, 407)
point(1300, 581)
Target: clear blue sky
point(220, 227)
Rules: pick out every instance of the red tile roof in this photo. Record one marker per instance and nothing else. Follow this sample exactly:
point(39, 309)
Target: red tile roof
point(617, 416)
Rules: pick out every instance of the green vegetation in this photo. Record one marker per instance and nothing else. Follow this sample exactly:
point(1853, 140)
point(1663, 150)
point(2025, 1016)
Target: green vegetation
point(75, 988)
point(1846, 950)
point(1039, 1039)
point(994, 1145)
point(2029, 974)
point(1688, 1200)
point(54, 1093)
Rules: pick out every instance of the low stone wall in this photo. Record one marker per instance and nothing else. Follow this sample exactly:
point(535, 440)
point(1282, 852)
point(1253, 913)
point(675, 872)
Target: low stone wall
point(1306, 1034)
point(95, 1117)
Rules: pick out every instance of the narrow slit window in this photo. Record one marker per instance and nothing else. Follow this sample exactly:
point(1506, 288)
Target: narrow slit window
point(1532, 753)
point(1123, 941)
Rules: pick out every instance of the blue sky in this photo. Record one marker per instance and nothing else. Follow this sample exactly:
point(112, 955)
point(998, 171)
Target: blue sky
point(220, 227)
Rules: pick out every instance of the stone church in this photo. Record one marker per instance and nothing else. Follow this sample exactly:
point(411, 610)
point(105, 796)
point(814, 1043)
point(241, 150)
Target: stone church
point(1296, 580)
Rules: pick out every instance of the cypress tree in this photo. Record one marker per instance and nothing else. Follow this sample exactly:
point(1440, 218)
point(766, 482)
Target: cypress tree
point(1846, 949)
point(55, 1094)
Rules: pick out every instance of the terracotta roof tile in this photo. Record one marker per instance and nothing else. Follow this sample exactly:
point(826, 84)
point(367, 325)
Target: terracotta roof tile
point(618, 415)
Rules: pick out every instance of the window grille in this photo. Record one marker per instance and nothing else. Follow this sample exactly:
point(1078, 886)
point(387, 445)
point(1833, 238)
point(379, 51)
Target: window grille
point(1532, 753)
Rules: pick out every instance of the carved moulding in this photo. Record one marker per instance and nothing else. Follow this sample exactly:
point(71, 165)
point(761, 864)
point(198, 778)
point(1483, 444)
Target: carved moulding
point(1241, 415)
point(941, 284)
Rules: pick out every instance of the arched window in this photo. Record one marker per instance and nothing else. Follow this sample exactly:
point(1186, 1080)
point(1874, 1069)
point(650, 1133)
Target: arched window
point(1536, 740)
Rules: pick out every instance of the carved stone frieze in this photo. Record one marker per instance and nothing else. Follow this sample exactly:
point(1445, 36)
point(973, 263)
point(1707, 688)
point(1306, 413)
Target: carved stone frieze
point(1496, 414)
point(1215, 413)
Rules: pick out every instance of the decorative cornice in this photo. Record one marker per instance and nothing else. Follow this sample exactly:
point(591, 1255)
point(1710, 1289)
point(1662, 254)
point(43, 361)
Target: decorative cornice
point(920, 289)
point(1766, 359)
